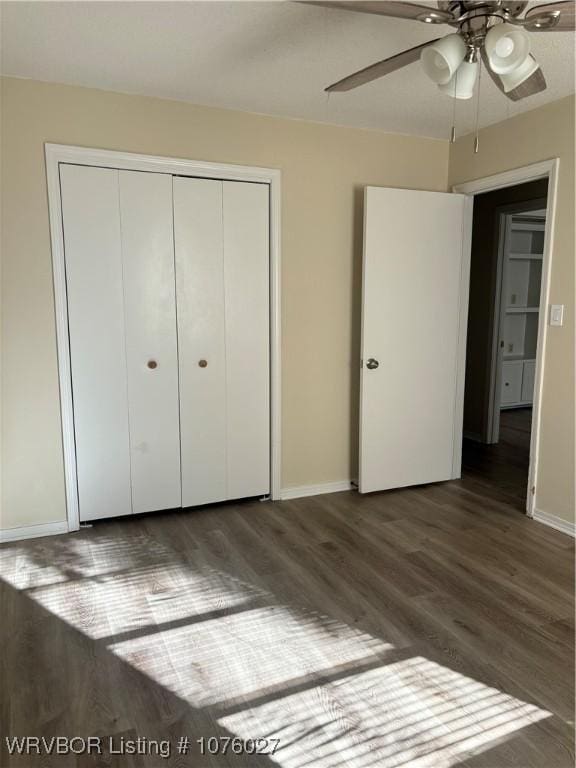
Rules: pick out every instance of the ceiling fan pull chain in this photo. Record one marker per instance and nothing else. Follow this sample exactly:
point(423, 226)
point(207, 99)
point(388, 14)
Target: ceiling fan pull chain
point(453, 131)
point(476, 140)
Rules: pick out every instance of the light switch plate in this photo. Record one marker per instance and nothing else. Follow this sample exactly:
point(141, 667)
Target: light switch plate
point(556, 314)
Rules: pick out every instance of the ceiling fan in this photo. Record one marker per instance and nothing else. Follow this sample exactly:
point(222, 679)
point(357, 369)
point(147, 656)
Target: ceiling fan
point(491, 31)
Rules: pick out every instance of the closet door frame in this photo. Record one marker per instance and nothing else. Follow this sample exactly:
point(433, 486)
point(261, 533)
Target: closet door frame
point(57, 154)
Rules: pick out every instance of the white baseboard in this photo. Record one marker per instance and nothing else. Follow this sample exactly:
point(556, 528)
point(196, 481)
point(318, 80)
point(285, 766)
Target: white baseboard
point(314, 490)
point(554, 522)
point(33, 531)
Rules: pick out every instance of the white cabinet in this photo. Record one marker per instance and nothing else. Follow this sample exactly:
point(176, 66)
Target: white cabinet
point(517, 383)
point(168, 308)
point(528, 370)
point(511, 382)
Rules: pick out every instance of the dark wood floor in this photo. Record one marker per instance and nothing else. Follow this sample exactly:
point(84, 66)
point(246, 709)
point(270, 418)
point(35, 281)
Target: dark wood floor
point(421, 627)
point(503, 467)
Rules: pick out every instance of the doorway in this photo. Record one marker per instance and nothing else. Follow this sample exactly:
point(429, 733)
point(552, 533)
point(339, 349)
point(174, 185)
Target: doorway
point(507, 256)
point(414, 328)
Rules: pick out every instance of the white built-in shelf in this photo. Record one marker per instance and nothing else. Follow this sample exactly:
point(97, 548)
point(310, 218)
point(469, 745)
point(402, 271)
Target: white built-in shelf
point(522, 274)
point(522, 357)
point(527, 226)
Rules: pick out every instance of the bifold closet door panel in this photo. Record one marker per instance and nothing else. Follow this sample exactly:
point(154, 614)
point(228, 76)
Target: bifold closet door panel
point(92, 245)
point(200, 298)
point(151, 341)
point(247, 296)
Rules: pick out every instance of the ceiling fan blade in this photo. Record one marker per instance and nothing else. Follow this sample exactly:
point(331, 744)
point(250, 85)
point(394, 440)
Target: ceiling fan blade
point(536, 83)
point(552, 17)
point(381, 68)
point(395, 9)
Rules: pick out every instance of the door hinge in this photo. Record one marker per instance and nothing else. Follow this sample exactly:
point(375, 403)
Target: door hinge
point(533, 490)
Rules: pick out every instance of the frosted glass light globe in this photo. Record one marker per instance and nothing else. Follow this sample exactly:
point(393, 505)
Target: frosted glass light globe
point(461, 86)
point(507, 47)
point(441, 59)
point(504, 47)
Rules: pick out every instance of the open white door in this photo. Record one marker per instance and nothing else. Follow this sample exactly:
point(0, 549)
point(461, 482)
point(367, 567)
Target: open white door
point(414, 312)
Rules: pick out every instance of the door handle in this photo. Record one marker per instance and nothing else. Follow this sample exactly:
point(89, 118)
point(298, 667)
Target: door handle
point(372, 364)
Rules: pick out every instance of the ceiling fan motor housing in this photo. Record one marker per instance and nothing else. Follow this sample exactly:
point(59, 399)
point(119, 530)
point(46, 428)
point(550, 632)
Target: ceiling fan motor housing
point(474, 18)
point(504, 8)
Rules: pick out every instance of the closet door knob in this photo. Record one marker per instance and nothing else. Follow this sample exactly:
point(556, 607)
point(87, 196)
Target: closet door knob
point(372, 364)
point(202, 363)
point(152, 364)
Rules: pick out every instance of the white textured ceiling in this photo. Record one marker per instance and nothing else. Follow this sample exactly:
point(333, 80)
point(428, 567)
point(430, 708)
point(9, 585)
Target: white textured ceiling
point(268, 57)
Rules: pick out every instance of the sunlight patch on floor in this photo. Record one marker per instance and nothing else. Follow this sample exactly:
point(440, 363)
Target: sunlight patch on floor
point(413, 712)
point(333, 694)
point(237, 656)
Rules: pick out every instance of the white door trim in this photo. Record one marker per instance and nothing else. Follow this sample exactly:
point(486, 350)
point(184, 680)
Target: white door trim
point(60, 153)
point(493, 420)
point(462, 333)
point(546, 169)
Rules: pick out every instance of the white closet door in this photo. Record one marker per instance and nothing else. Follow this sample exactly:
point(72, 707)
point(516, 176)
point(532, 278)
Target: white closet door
point(222, 263)
point(91, 222)
point(247, 291)
point(152, 356)
point(200, 292)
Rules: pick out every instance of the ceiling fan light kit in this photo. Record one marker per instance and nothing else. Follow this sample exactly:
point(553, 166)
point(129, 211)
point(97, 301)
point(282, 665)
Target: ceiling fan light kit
point(495, 33)
point(441, 59)
point(492, 33)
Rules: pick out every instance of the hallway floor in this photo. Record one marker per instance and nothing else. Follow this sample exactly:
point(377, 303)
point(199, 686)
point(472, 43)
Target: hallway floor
point(502, 468)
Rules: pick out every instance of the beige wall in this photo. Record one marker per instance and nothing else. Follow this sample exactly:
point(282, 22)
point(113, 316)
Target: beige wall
point(539, 135)
point(324, 169)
